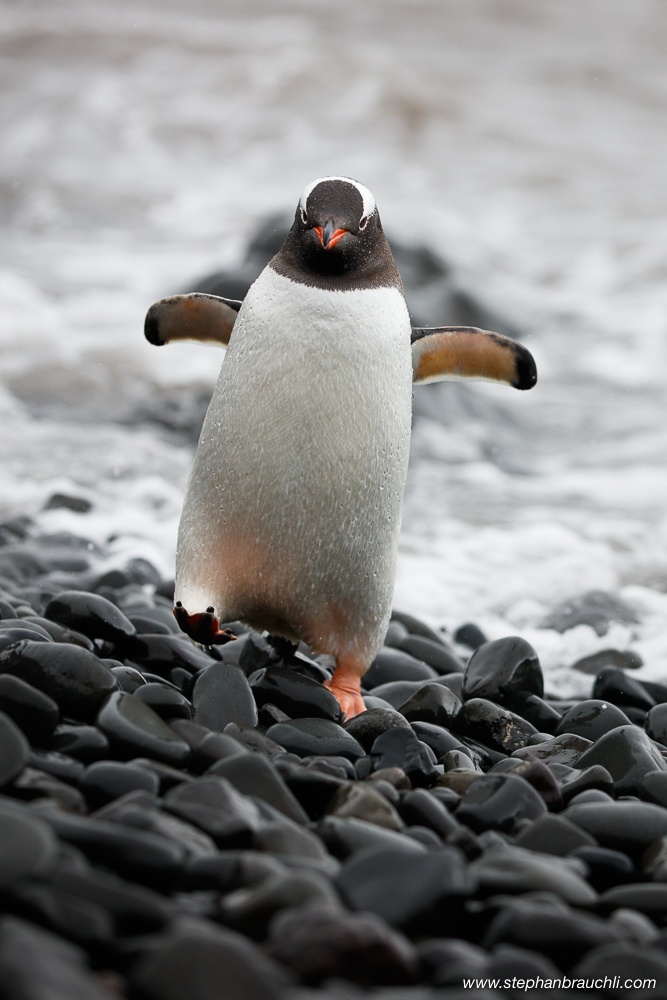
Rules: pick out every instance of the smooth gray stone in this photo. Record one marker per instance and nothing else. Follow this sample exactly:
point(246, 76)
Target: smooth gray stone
point(624, 826)
point(28, 847)
point(38, 965)
point(508, 869)
point(628, 753)
point(320, 737)
point(222, 695)
point(554, 835)
point(344, 837)
point(200, 960)
point(14, 750)
point(254, 774)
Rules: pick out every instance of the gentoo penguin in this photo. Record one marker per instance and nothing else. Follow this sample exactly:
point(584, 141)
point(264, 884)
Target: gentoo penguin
point(292, 512)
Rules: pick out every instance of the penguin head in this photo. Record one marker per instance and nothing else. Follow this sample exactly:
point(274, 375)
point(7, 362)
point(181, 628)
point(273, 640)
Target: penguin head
point(337, 240)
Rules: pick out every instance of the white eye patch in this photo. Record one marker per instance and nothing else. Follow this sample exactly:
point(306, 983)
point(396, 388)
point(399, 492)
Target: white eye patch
point(366, 196)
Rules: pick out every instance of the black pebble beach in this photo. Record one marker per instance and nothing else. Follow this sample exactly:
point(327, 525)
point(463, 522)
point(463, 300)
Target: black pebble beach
point(184, 823)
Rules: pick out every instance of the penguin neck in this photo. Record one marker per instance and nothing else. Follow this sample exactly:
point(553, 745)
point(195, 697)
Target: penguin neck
point(369, 266)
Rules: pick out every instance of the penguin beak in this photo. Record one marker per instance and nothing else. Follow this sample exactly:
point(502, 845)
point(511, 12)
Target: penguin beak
point(328, 235)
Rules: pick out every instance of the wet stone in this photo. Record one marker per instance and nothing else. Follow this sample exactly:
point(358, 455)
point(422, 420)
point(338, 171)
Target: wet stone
point(311, 788)
point(268, 715)
point(421, 808)
point(216, 807)
point(536, 774)
point(565, 749)
point(315, 736)
point(73, 677)
point(395, 634)
point(392, 775)
point(250, 910)
point(649, 898)
point(213, 748)
point(253, 774)
point(57, 764)
point(432, 703)
point(345, 836)
point(415, 626)
point(160, 654)
point(320, 942)
point(653, 787)
point(401, 748)
point(141, 810)
point(135, 854)
point(628, 754)
point(14, 750)
point(90, 614)
point(439, 739)
point(32, 784)
point(77, 919)
point(495, 727)
point(623, 826)
point(591, 778)
point(613, 685)
point(84, 743)
point(553, 835)
point(133, 729)
point(536, 711)
point(596, 608)
point(414, 892)
point(394, 665)
point(298, 696)
point(436, 654)
point(359, 800)
point(367, 726)
point(627, 962)
point(498, 802)
point(594, 663)
point(501, 669)
point(606, 868)
point(396, 693)
point(591, 719)
point(34, 712)
point(34, 963)
point(129, 678)
point(655, 724)
point(166, 702)
point(504, 868)
point(105, 781)
point(59, 633)
point(168, 777)
point(29, 847)
point(11, 636)
point(192, 962)
point(222, 695)
point(562, 935)
point(147, 626)
point(470, 635)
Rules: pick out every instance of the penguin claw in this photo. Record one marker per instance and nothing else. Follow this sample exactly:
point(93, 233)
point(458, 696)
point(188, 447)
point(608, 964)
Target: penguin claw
point(346, 687)
point(203, 627)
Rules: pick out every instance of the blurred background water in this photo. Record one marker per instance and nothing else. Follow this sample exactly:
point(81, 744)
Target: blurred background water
point(143, 143)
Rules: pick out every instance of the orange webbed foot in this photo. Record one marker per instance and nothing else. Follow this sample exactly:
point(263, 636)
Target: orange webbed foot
point(346, 686)
point(203, 627)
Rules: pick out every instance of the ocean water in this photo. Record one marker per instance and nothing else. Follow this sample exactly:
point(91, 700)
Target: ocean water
point(144, 140)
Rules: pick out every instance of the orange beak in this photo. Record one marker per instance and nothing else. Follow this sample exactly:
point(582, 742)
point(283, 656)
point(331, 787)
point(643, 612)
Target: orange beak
point(329, 235)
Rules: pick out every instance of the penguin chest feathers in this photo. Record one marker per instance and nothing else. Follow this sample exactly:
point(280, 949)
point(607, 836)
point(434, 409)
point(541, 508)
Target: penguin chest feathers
point(295, 496)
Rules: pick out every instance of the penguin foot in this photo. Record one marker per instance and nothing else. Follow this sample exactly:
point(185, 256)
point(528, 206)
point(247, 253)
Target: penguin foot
point(346, 686)
point(203, 627)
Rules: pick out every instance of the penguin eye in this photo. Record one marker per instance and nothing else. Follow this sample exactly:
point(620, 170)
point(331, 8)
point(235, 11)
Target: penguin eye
point(362, 224)
point(304, 217)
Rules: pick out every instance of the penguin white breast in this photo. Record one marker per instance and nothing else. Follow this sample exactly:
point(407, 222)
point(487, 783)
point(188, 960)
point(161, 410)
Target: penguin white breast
point(295, 496)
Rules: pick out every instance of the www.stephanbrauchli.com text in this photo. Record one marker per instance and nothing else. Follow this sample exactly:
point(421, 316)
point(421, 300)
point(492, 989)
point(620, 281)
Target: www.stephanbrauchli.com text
point(564, 983)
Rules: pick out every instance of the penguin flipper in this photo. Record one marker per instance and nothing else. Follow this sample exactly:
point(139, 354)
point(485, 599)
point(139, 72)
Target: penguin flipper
point(454, 353)
point(196, 316)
